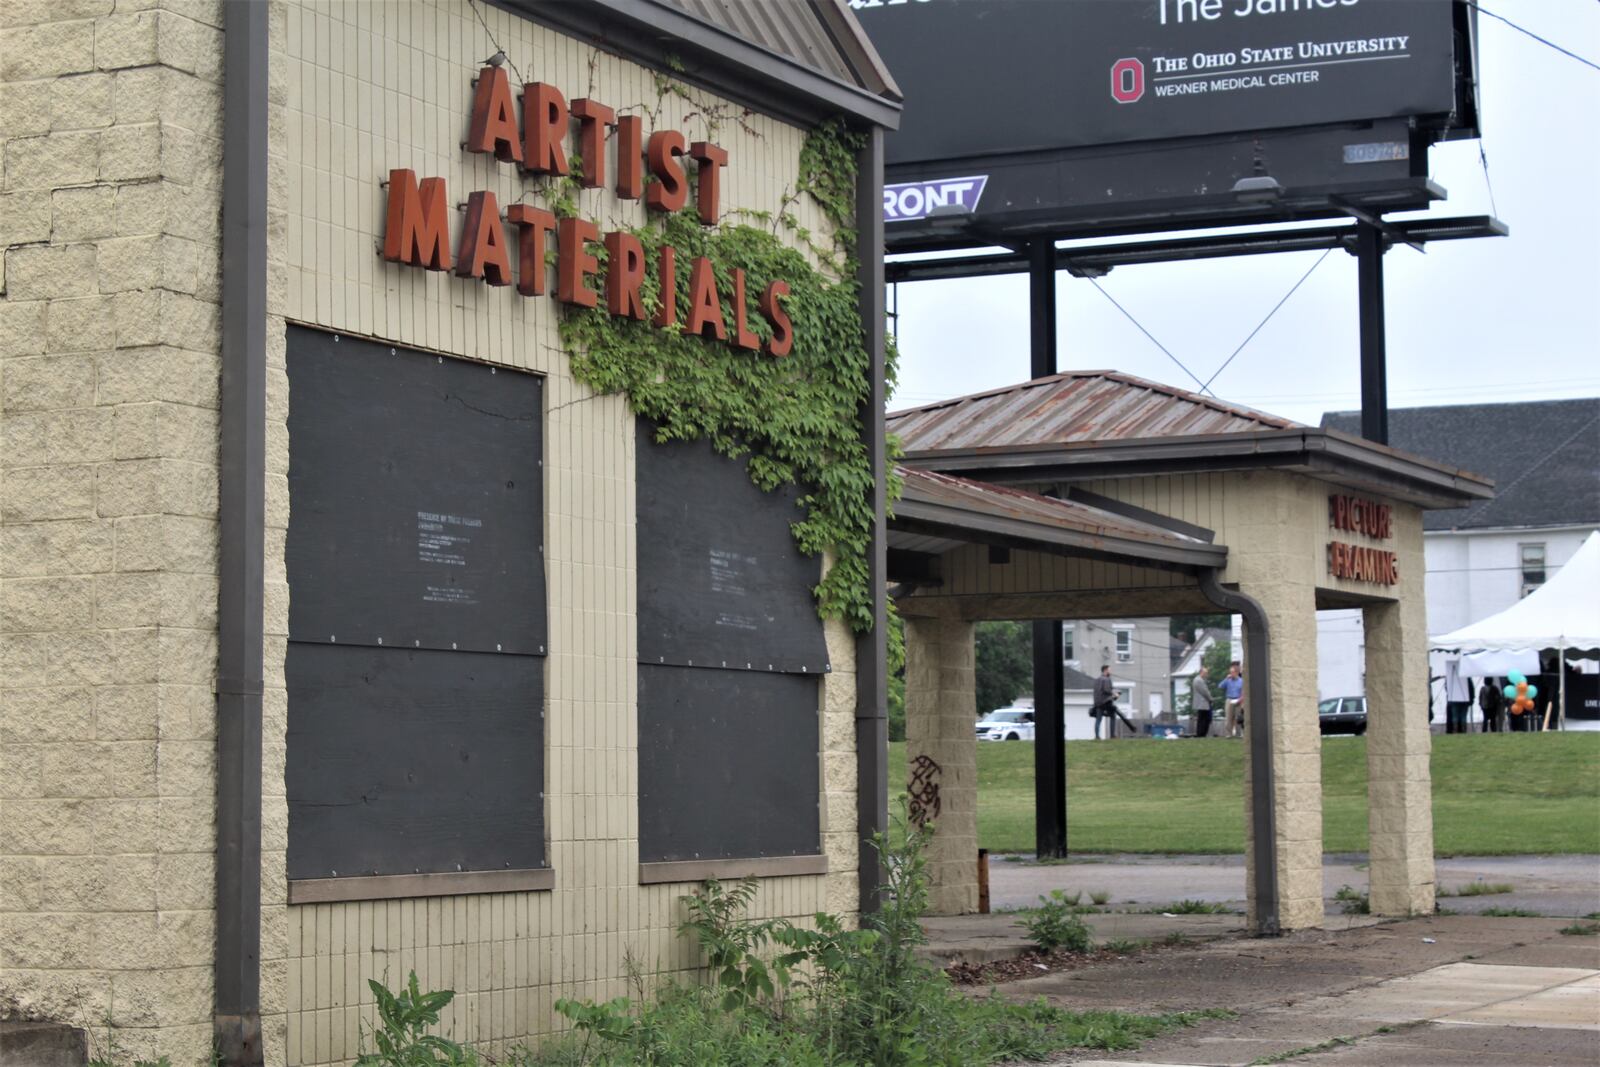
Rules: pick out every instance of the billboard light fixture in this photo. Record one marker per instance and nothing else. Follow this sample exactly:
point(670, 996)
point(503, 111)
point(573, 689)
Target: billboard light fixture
point(1258, 189)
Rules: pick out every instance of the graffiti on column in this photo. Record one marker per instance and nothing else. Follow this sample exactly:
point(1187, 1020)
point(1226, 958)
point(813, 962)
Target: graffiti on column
point(923, 789)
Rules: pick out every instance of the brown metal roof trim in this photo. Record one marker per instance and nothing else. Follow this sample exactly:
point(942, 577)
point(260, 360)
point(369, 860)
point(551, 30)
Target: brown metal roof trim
point(980, 512)
point(1073, 406)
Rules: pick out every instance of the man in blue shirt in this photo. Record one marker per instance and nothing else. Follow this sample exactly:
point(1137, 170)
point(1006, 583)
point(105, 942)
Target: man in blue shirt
point(1233, 695)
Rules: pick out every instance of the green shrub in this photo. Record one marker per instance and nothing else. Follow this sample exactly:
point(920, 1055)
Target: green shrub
point(1484, 889)
point(1055, 923)
point(1099, 897)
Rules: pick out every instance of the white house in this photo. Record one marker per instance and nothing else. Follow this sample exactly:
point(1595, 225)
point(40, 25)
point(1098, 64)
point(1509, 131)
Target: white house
point(1544, 457)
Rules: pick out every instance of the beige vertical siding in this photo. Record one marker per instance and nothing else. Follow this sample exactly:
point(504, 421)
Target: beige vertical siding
point(372, 86)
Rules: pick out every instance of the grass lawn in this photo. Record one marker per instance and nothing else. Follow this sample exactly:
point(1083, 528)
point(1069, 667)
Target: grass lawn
point(1493, 794)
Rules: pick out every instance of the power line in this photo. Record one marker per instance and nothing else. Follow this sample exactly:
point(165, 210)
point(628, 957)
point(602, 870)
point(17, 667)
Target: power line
point(1488, 182)
point(1129, 315)
point(1542, 40)
point(1268, 319)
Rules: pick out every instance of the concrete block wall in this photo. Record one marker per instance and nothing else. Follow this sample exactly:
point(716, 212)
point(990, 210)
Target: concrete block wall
point(941, 689)
point(110, 116)
point(1399, 743)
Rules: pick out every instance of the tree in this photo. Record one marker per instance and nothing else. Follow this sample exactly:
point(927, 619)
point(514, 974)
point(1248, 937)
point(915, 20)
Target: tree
point(1216, 660)
point(1004, 663)
point(1183, 626)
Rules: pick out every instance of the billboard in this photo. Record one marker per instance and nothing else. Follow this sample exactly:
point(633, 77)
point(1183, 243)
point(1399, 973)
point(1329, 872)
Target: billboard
point(1010, 97)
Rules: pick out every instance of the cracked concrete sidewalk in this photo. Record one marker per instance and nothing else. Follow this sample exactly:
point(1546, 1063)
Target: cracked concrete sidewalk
point(1446, 990)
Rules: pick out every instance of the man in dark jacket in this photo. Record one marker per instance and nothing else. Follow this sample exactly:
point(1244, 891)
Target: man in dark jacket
point(1492, 704)
point(1105, 706)
point(1200, 704)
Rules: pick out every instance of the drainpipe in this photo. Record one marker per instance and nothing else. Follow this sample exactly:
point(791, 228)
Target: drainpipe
point(242, 513)
point(872, 669)
point(1258, 719)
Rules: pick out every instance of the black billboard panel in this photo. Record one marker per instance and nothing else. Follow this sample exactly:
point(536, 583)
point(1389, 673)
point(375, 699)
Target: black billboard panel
point(997, 77)
point(728, 764)
point(1080, 118)
point(416, 510)
point(404, 761)
point(721, 583)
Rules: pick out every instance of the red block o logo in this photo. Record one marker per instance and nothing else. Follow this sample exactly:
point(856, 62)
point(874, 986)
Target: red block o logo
point(1127, 80)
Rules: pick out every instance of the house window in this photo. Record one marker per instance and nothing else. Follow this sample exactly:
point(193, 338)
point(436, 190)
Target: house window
point(1532, 567)
point(1124, 646)
point(1067, 652)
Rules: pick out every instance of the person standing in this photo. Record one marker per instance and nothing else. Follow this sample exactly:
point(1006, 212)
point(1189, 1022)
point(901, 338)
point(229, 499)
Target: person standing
point(1200, 703)
point(1105, 700)
point(1457, 698)
point(1492, 704)
point(1233, 699)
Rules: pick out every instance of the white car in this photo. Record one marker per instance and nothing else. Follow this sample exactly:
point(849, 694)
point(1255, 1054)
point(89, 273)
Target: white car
point(1007, 724)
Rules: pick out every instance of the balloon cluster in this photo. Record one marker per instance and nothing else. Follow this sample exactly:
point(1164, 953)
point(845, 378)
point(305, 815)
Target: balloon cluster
point(1520, 693)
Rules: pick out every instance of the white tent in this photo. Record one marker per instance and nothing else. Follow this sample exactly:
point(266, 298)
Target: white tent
point(1563, 613)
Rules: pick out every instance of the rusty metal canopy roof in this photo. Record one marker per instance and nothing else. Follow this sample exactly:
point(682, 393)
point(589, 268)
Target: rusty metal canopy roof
point(1085, 425)
point(954, 510)
point(1095, 405)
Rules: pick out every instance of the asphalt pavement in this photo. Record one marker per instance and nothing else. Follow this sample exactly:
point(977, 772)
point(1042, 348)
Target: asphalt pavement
point(1560, 886)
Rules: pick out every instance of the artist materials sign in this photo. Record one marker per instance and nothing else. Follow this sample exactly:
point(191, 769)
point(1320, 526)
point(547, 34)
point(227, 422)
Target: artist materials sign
point(653, 168)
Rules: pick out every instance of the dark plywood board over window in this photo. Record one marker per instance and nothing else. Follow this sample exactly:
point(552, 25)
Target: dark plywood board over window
point(403, 761)
point(721, 583)
point(727, 764)
point(416, 511)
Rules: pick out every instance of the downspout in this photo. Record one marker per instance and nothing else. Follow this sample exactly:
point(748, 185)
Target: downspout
point(1258, 717)
point(242, 513)
point(872, 668)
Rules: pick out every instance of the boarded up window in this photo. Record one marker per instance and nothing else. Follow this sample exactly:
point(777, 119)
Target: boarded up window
point(731, 656)
point(417, 613)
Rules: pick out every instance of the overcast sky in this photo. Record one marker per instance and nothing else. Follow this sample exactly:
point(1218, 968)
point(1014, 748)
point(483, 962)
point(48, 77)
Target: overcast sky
point(1513, 318)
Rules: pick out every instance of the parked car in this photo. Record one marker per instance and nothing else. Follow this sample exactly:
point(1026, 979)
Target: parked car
point(1006, 724)
point(1343, 715)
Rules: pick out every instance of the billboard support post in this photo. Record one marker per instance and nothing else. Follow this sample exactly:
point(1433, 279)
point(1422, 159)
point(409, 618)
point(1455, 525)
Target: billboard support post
point(1374, 384)
point(1049, 742)
point(1049, 735)
point(1042, 307)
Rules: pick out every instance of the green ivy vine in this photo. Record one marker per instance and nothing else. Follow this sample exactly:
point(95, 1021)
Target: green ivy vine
point(797, 417)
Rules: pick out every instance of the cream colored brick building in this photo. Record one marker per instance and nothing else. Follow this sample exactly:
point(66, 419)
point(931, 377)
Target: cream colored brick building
point(133, 136)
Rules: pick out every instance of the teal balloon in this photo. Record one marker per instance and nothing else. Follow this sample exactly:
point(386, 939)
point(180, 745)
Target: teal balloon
point(1510, 692)
point(1533, 691)
point(1516, 677)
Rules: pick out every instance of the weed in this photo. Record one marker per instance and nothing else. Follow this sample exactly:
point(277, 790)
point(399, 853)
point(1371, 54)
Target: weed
point(1439, 909)
point(1123, 946)
point(1510, 913)
point(1484, 889)
point(1055, 923)
point(402, 1033)
point(1352, 901)
point(1099, 897)
point(1177, 937)
point(1581, 929)
point(1190, 907)
point(1305, 1050)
